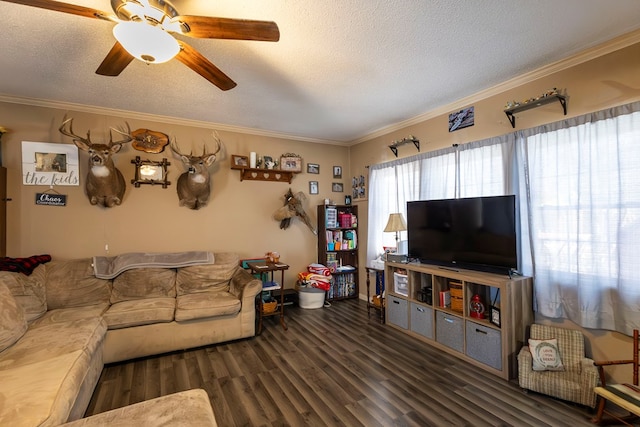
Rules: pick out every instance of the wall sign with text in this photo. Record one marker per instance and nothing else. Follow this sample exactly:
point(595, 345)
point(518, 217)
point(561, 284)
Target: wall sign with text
point(51, 199)
point(46, 163)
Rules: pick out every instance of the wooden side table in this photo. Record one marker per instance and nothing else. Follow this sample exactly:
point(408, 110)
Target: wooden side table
point(370, 305)
point(268, 267)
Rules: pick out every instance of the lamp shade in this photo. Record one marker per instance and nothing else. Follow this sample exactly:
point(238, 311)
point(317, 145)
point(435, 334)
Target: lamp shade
point(396, 223)
point(148, 43)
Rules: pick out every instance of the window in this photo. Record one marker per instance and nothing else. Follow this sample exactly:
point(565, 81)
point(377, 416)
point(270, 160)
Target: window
point(578, 186)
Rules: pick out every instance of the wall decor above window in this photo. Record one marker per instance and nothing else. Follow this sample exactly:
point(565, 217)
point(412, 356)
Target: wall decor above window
point(461, 119)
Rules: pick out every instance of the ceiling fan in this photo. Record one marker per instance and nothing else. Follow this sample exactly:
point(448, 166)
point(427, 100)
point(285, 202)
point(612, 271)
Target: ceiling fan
point(145, 30)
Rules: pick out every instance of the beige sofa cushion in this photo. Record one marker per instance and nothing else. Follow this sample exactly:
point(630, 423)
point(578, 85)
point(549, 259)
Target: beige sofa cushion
point(13, 325)
point(190, 408)
point(28, 291)
point(209, 277)
point(42, 374)
point(73, 284)
point(60, 315)
point(140, 312)
point(52, 340)
point(206, 304)
point(144, 283)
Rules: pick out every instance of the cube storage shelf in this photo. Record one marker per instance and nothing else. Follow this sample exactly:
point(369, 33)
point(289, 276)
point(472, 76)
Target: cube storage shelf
point(433, 304)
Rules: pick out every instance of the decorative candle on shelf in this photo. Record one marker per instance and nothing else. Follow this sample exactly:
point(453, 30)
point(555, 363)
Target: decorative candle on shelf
point(252, 159)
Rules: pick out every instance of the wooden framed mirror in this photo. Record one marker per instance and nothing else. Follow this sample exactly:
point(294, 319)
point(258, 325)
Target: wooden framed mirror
point(150, 172)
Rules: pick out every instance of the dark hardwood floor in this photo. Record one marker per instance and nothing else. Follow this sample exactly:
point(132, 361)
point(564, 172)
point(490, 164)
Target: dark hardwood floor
point(334, 367)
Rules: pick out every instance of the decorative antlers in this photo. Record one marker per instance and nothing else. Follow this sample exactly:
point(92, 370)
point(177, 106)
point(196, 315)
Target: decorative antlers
point(87, 141)
point(216, 138)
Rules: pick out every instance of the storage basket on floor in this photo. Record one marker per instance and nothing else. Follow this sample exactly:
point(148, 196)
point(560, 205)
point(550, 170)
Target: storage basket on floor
point(269, 307)
point(310, 297)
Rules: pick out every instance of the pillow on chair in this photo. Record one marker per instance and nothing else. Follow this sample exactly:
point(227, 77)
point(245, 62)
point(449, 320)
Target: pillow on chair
point(545, 354)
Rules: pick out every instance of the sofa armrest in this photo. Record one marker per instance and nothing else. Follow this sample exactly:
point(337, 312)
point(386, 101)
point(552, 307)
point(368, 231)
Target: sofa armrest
point(525, 364)
point(244, 285)
point(589, 370)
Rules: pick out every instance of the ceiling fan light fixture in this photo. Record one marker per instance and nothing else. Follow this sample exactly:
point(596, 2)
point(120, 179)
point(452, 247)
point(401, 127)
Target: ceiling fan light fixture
point(148, 43)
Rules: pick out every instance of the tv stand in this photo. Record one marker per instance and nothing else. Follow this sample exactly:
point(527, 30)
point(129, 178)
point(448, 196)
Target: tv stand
point(433, 304)
point(449, 269)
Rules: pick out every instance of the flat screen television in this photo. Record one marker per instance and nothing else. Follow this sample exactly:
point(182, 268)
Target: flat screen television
point(473, 233)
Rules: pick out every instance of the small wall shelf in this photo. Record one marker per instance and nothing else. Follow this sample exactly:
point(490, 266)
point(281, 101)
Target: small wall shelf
point(254, 174)
point(535, 104)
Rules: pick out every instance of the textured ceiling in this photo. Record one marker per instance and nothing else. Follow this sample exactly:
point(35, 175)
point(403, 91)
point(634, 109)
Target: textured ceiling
point(341, 70)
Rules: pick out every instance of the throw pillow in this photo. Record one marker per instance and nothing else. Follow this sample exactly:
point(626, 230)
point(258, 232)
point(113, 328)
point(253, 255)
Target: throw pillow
point(13, 324)
point(545, 354)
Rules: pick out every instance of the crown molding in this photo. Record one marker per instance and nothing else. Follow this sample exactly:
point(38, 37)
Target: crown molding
point(38, 102)
point(610, 46)
point(563, 64)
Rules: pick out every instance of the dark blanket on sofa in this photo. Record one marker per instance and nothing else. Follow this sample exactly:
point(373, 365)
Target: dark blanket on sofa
point(23, 265)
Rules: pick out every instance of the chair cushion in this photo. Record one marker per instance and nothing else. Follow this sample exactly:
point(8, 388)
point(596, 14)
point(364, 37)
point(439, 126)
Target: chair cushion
point(545, 354)
point(13, 324)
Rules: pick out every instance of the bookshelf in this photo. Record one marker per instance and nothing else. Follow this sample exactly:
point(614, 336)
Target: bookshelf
point(338, 248)
point(476, 316)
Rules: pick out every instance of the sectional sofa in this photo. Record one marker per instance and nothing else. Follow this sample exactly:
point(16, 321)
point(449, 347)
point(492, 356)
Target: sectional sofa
point(61, 324)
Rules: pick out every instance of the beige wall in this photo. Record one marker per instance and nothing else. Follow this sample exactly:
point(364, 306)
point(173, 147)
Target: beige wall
point(607, 81)
point(238, 217)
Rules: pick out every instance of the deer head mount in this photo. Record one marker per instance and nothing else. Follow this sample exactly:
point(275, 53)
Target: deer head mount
point(194, 185)
point(105, 184)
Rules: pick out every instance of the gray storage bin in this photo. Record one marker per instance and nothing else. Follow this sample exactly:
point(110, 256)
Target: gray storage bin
point(397, 312)
point(450, 331)
point(484, 344)
point(422, 320)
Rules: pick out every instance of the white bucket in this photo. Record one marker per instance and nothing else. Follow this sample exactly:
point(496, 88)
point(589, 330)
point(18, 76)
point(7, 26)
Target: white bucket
point(309, 297)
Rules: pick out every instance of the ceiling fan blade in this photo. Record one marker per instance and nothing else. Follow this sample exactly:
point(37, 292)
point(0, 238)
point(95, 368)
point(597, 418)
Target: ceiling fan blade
point(116, 60)
point(73, 9)
point(224, 28)
point(201, 65)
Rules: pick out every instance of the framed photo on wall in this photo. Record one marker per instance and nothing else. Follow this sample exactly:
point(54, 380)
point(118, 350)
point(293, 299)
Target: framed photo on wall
point(46, 163)
point(337, 187)
point(239, 162)
point(337, 171)
point(313, 168)
point(291, 162)
point(313, 187)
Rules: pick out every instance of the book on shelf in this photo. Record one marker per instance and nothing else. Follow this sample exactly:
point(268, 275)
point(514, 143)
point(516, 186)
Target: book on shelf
point(445, 299)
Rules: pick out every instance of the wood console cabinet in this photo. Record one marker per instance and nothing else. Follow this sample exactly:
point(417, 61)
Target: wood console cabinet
point(338, 248)
point(433, 304)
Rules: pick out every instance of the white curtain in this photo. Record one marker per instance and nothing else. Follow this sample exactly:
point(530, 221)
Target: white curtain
point(583, 199)
point(578, 186)
point(393, 184)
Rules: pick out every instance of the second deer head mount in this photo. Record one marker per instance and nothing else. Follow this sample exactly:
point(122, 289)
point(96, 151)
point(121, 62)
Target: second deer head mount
point(194, 185)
